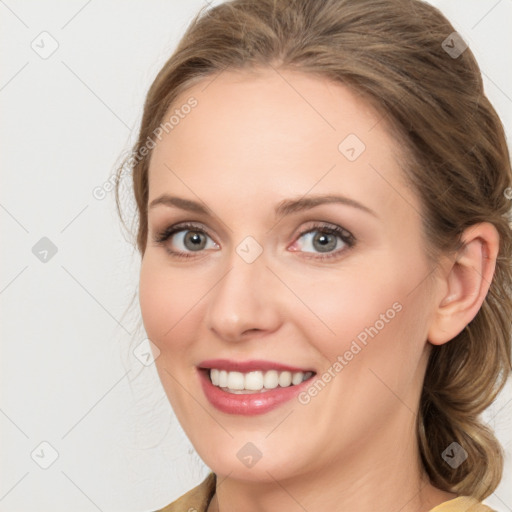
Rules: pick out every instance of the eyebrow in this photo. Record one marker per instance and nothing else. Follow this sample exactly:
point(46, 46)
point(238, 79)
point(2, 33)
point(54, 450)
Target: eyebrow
point(285, 207)
point(289, 206)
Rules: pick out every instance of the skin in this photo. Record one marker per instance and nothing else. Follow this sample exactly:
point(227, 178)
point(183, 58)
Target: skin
point(254, 140)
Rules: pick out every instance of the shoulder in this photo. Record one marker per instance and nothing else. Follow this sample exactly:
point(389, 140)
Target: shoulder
point(196, 500)
point(462, 504)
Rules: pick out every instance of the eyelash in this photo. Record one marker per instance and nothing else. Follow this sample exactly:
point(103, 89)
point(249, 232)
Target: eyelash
point(347, 238)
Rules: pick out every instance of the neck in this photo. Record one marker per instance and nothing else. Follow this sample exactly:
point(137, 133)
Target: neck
point(385, 474)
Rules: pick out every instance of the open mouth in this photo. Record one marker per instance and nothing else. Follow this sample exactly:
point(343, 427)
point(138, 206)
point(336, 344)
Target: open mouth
point(256, 381)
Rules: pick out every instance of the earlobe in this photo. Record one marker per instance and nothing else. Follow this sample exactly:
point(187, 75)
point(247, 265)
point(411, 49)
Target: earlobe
point(467, 282)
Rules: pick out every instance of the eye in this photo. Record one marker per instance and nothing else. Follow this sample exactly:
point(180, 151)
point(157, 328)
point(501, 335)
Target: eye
point(328, 239)
point(181, 240)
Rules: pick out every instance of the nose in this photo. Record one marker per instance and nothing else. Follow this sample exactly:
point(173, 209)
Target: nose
point(245, 300)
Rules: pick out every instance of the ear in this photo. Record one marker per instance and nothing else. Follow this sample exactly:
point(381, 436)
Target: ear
point(466, 282)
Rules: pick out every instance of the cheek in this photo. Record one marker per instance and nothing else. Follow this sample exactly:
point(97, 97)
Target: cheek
point(163, 301)
point(172, 306)
point(153, 302)
point(359, 310)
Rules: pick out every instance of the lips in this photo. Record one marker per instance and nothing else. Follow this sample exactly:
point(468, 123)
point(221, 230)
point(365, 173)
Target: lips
point(251, 365)
point(248, 404)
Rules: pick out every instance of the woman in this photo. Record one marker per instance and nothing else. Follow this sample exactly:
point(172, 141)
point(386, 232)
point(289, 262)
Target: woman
point(323, 195)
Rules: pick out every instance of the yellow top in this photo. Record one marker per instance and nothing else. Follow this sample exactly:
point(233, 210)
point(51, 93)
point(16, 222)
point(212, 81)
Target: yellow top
point(198, 499)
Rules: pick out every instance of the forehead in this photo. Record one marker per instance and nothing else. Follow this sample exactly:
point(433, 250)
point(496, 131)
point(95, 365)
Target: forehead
point(280, 130)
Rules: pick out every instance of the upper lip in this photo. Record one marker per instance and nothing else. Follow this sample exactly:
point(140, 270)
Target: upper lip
point(250, 365)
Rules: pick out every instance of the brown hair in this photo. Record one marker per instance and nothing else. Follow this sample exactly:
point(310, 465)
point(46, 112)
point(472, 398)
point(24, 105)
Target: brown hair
point(391, 52)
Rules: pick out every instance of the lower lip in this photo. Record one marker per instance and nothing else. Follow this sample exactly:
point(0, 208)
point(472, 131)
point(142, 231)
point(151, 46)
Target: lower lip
point(251, 403)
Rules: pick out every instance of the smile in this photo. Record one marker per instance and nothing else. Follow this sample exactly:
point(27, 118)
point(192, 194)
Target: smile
point(255, 381)
point(238, 400)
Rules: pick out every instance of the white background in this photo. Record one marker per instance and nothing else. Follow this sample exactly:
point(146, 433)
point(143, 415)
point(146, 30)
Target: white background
point(68, 373)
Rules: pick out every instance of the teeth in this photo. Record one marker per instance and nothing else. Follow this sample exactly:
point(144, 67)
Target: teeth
point(255, 381)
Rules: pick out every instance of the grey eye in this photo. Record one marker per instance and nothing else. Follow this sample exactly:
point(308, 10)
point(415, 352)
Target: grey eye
point(321, 241)
point(190, 240)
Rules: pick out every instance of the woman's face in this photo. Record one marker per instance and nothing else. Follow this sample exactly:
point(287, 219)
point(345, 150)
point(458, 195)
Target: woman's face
point(337, 287)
